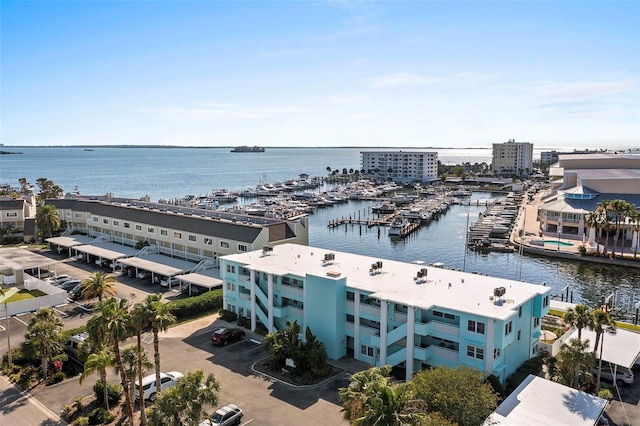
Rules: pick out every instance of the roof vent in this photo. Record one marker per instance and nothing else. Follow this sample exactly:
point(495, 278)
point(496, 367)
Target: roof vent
point(376, 267)
point(333, 274)
point(267, 250)
point(329, 258)
point(499, 291)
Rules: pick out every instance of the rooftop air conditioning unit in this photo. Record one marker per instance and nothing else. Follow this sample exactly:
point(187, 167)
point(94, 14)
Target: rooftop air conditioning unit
point(379, 264)
point(424, 272)
point(499, 291)
point(267, 250)
point(329, 257)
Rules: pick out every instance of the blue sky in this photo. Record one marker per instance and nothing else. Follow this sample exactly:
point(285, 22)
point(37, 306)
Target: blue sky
point(326, 73)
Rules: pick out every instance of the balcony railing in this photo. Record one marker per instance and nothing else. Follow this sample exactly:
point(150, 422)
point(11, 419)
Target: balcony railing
point(370, 309)
point(350, 305)
point(400, 316)
point(294, 291)
point(445, 328)
point(369, 331)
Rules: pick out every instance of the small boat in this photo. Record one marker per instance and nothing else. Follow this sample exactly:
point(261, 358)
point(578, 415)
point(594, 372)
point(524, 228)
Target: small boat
point(399, 227)
point(384, 208)
point(245, 148)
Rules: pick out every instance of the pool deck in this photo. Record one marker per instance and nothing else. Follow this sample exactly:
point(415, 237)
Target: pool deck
point(532, 239)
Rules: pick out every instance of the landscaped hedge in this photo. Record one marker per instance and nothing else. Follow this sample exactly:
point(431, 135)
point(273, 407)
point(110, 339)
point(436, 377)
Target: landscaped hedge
point(206, 303)
point(530, 366)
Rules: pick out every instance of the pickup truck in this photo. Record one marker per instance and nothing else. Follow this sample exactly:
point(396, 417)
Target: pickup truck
point(230, 414)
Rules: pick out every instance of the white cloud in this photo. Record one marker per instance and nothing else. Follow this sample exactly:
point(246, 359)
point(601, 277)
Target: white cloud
point(414, 79)
point(586, 89)
point(225, 111)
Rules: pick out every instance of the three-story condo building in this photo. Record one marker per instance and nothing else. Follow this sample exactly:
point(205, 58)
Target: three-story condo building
point(388, 312)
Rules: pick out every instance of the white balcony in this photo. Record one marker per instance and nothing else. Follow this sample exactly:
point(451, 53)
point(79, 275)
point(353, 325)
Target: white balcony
point(368, 331)
point(400, 316)
point(445, 328)
point(370, 309)
point(291, 290)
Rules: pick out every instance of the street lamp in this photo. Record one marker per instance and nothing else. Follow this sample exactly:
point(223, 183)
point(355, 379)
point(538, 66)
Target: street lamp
point(558, 248)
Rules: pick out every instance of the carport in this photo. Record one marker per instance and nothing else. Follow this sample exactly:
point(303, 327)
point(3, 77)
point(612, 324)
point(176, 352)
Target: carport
point(621, 348)
point(106, 252)
point(14, 261)
point(70, 241)
point(158, 264)
point(209, 279)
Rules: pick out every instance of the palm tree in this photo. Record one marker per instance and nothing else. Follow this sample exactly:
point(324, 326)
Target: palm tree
point(100, 285)
point(43, 337)
point(98, 362)
point(371, 399)
point(591, 220)
point(314, 353)
point(635, 217)
point(113, 320)
point(48, 219)
point(601, 322)
point(160, 318)
point(574, 364)
point(620, 209)
point(182, 404)
point(135, 365)
point(580, 317)
point(140, 319)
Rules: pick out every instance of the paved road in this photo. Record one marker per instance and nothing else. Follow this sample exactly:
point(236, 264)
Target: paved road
point(20, 408)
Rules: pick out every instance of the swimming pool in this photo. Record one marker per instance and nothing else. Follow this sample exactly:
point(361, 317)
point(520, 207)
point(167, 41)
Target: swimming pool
point(557, 243)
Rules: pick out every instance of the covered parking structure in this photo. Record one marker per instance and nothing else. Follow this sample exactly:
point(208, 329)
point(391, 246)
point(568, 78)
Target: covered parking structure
point(105, 252)
point(621, 348)
point(161, 267)
point(207, 280)
point(15, 261)
point(69, 241)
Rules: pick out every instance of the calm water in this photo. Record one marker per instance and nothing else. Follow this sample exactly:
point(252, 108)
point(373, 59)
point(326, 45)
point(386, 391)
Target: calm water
point(175, 172)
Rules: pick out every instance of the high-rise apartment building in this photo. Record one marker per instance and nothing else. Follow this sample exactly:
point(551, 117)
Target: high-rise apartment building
point(401, 166)
point(512, 158)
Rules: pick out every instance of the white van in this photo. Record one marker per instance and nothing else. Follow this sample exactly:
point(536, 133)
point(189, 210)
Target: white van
point(75, 343)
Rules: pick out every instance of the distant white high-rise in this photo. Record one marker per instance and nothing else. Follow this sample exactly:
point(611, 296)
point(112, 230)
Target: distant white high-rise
point(401, 166)
point(512, 158)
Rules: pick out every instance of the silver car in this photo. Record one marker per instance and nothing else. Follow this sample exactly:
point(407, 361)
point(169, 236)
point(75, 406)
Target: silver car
point(624, 376)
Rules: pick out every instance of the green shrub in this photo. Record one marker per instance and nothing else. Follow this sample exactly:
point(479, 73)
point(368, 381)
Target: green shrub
point(81, 421)
point(244, 322)
point(100, 416)
point(190, 307)
point(228, 316)
point(530, 366)
point(260, 329)
point(115, 392)
point(56, 377)
point(496, 385)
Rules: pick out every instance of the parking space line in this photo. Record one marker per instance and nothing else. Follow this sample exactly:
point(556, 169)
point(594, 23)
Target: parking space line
point(64, 314)
point(247, 422)
point(20, 320)
point(3, 329)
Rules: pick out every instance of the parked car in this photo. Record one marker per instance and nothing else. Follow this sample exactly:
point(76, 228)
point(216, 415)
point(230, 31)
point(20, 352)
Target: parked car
point(57, 279)
point(624, 376)
point(68, 284)
point(143, 275)
point(230, 414)
point(76, 292)
point(167, 380)
point(224, 336)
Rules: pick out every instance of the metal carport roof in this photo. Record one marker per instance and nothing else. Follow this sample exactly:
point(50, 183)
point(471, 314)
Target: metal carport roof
point(207, 279)
point(159, 264)
point(621, 348)
point(107, 251)
point(70, 241)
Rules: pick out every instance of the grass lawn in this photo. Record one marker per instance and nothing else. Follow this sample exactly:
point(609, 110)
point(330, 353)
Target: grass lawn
point(25, 294)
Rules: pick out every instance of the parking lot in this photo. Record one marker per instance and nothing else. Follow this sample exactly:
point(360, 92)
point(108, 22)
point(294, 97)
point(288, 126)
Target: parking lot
point(188, 347)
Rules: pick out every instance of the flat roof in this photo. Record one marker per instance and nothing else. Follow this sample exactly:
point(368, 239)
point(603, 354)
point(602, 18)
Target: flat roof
point(444, 288)
point(209, 278)
point(17, 259)
point(621, 348)
point(159, 264)
point(537, 401)
point(108, 251)
point(71, 240)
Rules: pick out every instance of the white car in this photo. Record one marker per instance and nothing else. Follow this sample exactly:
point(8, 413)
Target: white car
point(228, 415)
point(167, 380)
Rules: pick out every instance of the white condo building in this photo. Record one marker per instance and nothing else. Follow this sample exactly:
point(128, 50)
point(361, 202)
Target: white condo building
point(401, 166)
point(512, 158)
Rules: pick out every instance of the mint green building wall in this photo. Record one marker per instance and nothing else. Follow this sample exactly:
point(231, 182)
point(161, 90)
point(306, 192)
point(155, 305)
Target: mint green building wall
point(324, 312)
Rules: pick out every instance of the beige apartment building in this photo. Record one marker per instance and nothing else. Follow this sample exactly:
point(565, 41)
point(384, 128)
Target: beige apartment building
point(512, 158)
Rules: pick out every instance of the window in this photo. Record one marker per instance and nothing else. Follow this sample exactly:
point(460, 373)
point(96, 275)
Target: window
point(127, 225)
point(192, 238)
point(520, 312)
point(151, 230)
point(350, 318)
point(545, 301)
point(438, 314)
point(536, 322)
point(116, 223)
point(231, 286)
point(224, 244)
point(475, 327)
point(231, 269)
point(508, 327)
point(519, 333)
point(496, 353)
point(12, 214)
point(105, 221)
point(177, 235)
point(449, 316)
point(95, 219)
point(78, 215)
point(242, 247)
point(163, 232)
point(138, 227)
point(366, 350)
point(240, 311)
point(475, 352)
point(208, 241)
